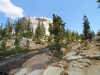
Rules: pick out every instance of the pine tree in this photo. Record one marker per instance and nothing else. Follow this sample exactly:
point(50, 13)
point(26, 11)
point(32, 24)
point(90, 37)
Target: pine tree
point(68, 35)
point(98, 2)
point(17, 27)
point(73, 35)
point(27, 44)
point(82, 36)
point(43, 29)
point(98, 33)
point(38, 31)
point(9, 28)
point(93, 33)
point(77, 36)
point(3, 45)
point(22, 23)
point(86, 26)
point(16, 42)
point(57, 29)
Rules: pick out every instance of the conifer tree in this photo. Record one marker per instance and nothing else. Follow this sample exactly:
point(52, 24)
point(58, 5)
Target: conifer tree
point(57, 29)
point(86, 26)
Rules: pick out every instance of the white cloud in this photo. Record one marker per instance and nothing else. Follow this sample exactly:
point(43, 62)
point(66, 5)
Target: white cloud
point(10, 10)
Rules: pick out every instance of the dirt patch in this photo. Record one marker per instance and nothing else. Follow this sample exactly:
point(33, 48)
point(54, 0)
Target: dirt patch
point(36, 59)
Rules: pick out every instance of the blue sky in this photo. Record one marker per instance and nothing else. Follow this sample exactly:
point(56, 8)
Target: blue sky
point(71, 11)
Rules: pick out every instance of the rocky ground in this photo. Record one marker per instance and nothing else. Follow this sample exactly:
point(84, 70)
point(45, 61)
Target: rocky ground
point(15, 62)
point(84, 59)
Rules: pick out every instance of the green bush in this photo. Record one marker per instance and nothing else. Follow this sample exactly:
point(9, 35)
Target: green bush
point(3, 45)
point(9, 52)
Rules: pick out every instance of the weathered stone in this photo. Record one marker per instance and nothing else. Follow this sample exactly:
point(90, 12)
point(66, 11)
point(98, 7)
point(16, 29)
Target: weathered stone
point(80, 60)
point(93, 56)
point(85, 64)
point(75, 73)
point(87, 61)
point(81, 66)
point(75, 65)
point(21, 72)
point(75, 47)
point(36, 72)
point(96, 53)
point(35, 20)
point(75, 62)
point(69, 54)
point(74, 57)
point(53, 71)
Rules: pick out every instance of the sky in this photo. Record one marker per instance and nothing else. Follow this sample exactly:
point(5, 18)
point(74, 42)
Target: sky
point(71, 11)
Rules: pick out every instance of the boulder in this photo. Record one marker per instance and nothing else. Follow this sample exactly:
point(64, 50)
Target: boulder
point(75, 47)
point(85, 64)
point(21, 72)
point(80, 66)
point(70, 54)
point(75, 65)
point(93, 56)
point(84, 61)
point(96, 53)
point(75, 62)
point(53, 71)
point(73, 58)
point(75, 73)
point(36, 72)
point(80, 60)
point(87, 61)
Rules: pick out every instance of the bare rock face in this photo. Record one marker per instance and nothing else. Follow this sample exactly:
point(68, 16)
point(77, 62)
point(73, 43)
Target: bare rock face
point(75, 73)
point(21, 72)
point(36, 72)
point(85, 61)
point(81, 66)
point(53, 71)
point(34, 21)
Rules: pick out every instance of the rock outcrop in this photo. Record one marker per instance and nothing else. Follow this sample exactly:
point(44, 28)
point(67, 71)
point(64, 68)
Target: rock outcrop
point(53, 71)
point(34, 21)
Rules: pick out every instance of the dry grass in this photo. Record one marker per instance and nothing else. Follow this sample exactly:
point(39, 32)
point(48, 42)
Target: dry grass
point(69, 47)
